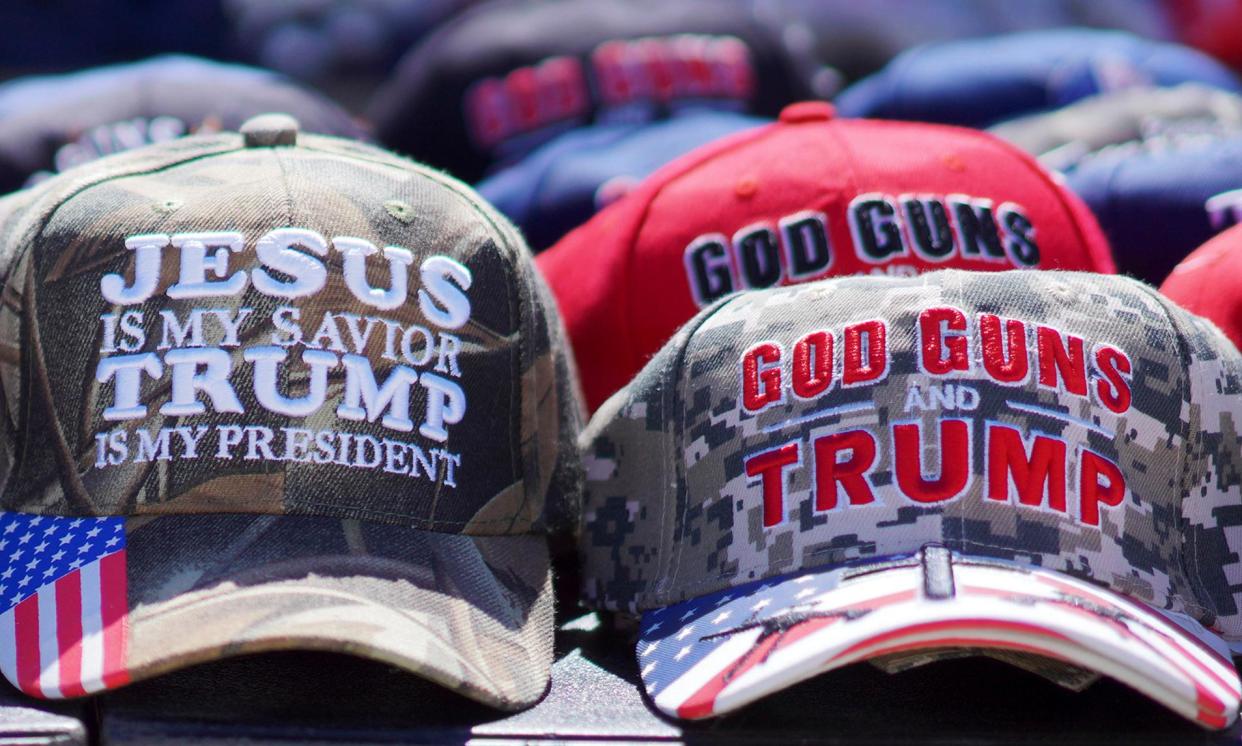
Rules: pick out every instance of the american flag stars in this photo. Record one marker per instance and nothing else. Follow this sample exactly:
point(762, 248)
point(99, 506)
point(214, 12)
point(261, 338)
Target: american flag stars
point(62, 621)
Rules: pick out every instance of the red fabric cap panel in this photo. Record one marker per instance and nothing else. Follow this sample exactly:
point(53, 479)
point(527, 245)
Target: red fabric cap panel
point(804, 199)
point(1208, 282)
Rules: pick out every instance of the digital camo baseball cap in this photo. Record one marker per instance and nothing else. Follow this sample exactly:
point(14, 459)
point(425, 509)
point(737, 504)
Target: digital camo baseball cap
point(1039, 465)
point(278, 391)
point(809, 196)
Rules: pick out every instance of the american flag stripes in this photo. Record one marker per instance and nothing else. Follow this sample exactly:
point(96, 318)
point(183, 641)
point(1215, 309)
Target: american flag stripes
point(63, 604)
point(713, 654)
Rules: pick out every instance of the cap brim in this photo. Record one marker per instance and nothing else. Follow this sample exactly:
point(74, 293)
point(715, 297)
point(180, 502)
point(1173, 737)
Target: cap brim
point(714, 654)
point(474, 614)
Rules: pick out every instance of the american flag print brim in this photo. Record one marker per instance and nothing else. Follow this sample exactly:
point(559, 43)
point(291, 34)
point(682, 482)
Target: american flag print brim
point(63, 604)
point(92, 604)
point(711, 655)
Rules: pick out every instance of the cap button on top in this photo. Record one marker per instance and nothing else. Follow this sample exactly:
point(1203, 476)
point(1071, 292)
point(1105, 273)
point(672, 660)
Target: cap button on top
point(270, 130)
point(808, 111)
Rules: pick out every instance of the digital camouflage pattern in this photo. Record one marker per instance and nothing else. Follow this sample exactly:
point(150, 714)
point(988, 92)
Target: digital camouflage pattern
point(444, 573)
point(670, 513)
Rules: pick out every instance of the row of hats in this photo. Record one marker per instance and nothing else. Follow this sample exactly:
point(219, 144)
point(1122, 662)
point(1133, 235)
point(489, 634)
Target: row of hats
point(553, 126)
point(364, 40)
point(268, 390)
point(274, 501)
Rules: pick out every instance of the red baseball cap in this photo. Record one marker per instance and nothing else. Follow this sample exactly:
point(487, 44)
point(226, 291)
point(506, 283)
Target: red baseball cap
point(806, 197)
point(1208, 282)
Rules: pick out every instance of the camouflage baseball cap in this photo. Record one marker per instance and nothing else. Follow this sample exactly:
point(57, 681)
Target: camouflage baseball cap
point(1043, 467)
point(277, 391)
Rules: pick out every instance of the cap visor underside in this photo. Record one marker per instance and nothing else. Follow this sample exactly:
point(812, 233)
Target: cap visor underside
point(471, 613)
point(716, 653)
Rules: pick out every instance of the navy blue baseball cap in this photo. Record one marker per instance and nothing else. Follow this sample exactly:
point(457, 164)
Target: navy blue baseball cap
point(50, 123)
point(855, 39)
point(59, 34)
point(563, 183)
point(497, 81)
point(1159, 198)
point(979, 82)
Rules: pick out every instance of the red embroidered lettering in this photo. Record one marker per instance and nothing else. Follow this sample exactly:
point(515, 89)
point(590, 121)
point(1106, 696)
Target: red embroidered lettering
point(870, 335)
point(1042, 472)
point(850, 474)
point(1059, 363)
point(771, 466)
point(1092, 493)
point(1114, 386)
point(761, 386)
point(934, 340)
point(1005, 370)
point(954, 462)
point(812, 365)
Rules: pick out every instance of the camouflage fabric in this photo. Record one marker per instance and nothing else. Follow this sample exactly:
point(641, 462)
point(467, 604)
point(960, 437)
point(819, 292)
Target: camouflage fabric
point(671, 514)
point(521, 408)
point(326, 392)
point(260, 583)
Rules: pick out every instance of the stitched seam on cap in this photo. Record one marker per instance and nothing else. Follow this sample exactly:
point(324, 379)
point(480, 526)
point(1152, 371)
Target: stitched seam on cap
point(1061, 192)
point(38, 224)
point(678, 367)
point(743, 138)
point(503, 236)
point(1192, 578)
point(42, 220)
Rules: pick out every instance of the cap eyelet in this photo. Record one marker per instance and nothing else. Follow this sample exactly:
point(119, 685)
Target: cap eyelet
point(402, 211)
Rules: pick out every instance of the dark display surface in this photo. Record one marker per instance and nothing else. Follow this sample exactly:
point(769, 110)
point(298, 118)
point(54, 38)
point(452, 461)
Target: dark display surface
point(311, 698)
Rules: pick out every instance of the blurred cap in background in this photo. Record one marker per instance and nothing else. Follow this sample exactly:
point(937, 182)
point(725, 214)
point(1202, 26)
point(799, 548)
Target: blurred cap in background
point(1208, 282)
point(563, 183)
point(1062, 138)
point(50, 123)
point(505, 77)
point(980, 82)
point(1159, 198)
point(1215, 26)
point(854, 39)
point(316, 39)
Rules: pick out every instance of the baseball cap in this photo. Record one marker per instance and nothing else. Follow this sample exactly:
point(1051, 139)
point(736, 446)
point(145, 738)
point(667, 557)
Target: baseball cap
point(563, 183)
point(910, 468)
point(1159, 198)
point(239, 425)
point(1061, 138)
point(1207, 282)
point(50, 123)
point(314, 39)
point(979, 82)
point(1211, 25)
point(506, 76)
point(853, 40)
point(808, 196)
